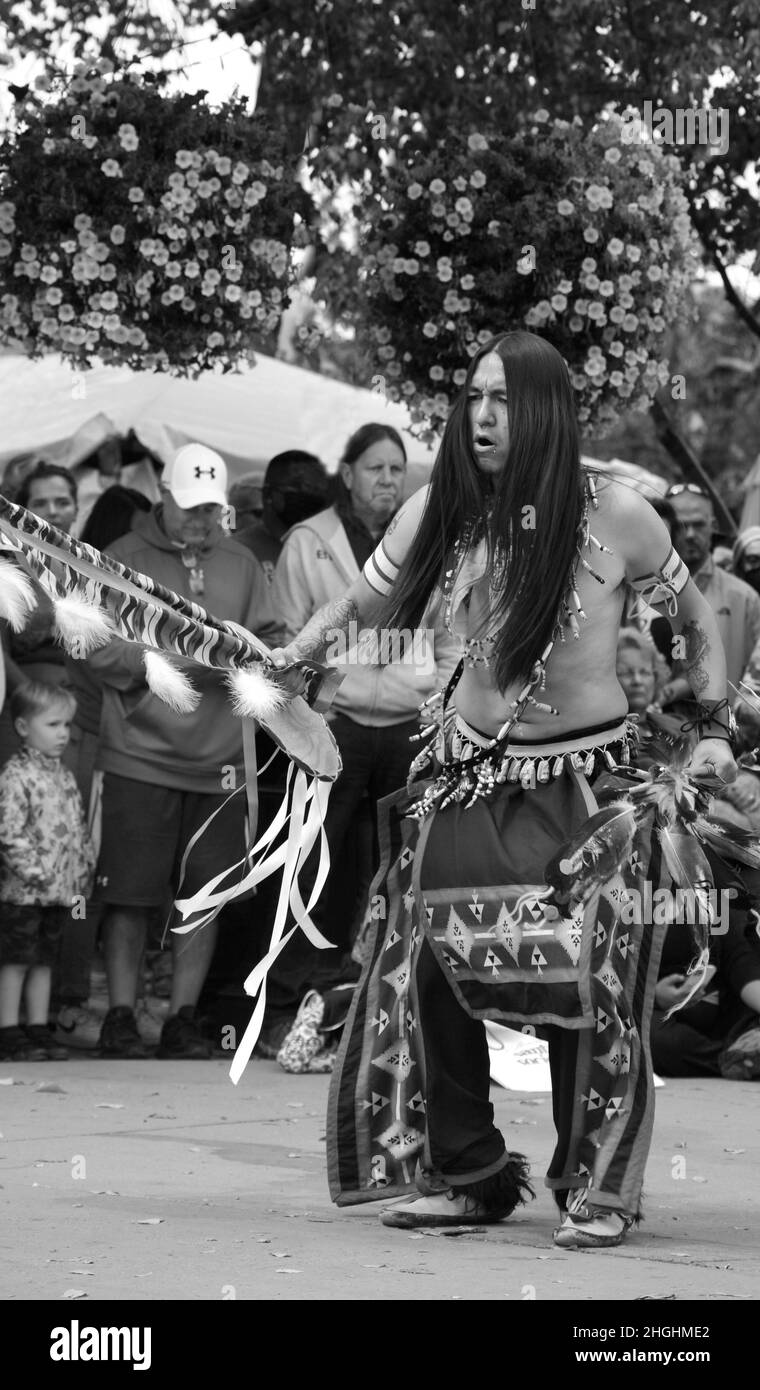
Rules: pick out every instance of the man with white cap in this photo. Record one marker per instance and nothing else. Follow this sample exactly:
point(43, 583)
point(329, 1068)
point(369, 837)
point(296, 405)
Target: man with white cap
point(166, 774)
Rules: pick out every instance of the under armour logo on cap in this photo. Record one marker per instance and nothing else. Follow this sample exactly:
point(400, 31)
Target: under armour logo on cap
point(197, 477)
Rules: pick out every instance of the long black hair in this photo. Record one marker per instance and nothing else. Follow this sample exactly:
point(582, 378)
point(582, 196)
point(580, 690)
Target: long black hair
point(528, 514)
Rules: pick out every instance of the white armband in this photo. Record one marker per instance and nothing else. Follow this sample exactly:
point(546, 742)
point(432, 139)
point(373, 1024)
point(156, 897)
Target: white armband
point(380, 571)
point(665, 585)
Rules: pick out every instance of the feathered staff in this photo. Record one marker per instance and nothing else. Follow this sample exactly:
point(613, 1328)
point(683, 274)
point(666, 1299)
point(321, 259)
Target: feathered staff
point(666, 805)
point(95, 598)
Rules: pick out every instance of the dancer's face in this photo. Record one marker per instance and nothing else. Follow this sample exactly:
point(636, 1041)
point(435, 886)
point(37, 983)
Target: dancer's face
point(489, 414)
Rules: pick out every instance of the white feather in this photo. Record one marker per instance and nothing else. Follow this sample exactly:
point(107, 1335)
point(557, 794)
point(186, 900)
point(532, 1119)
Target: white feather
point(81, 626)
point(17, 597)
point(254, 695)
point(170, 684)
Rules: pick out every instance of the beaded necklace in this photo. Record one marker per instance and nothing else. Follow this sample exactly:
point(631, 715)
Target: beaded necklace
point(477, 774)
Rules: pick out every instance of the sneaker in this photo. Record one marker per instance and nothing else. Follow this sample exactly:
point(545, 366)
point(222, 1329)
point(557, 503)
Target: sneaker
point(181, 1036)
point(77, 1025)
point(271, 1039)
point(741, 1061)
point(42, 1036)
point(119, 1036)
point(15, 1046)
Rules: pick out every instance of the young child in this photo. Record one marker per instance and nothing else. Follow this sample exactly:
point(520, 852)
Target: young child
point(46, 867)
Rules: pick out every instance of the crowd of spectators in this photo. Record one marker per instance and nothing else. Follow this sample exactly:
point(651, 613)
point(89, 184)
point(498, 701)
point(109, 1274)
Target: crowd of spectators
point(103, 787)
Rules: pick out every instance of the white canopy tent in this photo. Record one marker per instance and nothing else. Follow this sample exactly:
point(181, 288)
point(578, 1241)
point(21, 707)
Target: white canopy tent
point(50, 410)
point(61, 414)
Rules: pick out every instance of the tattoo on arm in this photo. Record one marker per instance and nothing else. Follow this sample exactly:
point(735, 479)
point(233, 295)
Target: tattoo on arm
point(392, 524)
point(696, 656)
point(322, 629)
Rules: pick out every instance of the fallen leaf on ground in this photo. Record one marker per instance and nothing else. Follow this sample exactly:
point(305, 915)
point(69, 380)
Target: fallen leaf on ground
point(734, 1151)
point(74, 1293)
point(465, 1231)
point(109, 1105)
point(149, 1221)
point(50, 1088)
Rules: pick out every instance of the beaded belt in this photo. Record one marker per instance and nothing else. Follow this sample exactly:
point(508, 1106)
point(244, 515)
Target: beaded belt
point(472, 766)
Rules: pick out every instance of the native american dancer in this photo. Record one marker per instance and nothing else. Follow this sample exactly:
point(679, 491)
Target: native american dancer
point(498, 897)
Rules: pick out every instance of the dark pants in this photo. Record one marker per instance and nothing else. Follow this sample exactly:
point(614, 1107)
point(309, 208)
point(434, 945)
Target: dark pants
point(375, 763)
point(462, 1140)
point(691, 1042)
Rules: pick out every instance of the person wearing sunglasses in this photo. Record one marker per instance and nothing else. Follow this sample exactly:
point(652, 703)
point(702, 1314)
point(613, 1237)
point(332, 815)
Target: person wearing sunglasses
point(296, 485)
point(736, 604)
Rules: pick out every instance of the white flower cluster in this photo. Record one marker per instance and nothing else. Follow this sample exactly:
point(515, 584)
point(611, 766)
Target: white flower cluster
point(171, 265)
point(598, 262)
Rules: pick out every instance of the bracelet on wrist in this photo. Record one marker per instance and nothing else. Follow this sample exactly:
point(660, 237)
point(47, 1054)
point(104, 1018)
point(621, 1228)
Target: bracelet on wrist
point(706, 724)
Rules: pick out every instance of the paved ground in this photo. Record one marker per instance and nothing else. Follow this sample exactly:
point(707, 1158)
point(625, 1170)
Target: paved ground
point(161, 1181)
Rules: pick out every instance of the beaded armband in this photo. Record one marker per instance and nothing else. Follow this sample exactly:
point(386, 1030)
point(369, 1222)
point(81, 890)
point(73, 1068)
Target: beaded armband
point(707, 724)
point(380, 571)
point(664, 585)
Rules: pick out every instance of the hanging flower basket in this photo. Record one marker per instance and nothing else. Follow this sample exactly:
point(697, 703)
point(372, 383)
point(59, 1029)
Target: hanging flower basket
point(578, 236)
point(143, 229)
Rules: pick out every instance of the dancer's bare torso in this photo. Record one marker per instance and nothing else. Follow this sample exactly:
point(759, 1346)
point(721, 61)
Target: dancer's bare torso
point(580, 676)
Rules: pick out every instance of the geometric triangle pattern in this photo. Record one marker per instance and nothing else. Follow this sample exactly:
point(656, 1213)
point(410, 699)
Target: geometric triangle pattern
point(504, 942)
point(376, 1103)
point(617, 1060)
point(400, 1140)
point(508, 932)
point(396, 1060)
point(608, 977)
point(458, 936)
point(398, 979)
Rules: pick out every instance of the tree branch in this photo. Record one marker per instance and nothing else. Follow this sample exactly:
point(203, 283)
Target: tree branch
point(744, 313)
point(690, 465)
